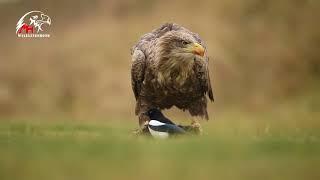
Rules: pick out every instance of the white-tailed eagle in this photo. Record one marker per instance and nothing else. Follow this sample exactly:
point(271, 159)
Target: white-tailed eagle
point(170, 68)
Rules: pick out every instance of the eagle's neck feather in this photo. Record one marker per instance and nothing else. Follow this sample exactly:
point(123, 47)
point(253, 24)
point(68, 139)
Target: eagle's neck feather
point(174, 70)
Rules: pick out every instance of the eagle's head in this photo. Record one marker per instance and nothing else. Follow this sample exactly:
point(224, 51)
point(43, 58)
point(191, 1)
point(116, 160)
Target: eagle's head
point(176, 53)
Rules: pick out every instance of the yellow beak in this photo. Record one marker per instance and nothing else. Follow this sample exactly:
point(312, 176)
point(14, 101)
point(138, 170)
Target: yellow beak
point(197, 49)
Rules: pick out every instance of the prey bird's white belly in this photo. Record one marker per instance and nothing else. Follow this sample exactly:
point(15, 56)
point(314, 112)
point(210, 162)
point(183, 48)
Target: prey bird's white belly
point(157, 134)
point(160, 135)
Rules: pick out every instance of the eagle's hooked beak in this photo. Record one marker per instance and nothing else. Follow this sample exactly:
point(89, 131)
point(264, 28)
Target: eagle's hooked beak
point(197, 49)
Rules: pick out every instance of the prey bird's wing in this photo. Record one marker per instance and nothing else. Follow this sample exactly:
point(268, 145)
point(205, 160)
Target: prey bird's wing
point(137, 71)
point(169, 128)
point(174, 129)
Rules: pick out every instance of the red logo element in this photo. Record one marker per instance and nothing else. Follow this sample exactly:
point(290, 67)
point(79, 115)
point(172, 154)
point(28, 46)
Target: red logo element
point(27, 28)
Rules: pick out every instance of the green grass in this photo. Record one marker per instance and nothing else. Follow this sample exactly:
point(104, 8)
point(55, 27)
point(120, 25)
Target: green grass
point(77, 150)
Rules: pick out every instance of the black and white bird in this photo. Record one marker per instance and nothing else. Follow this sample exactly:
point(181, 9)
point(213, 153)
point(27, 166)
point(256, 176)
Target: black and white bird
point(161, 127)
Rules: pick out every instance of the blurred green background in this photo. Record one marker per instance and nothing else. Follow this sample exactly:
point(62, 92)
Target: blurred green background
point(67, 109)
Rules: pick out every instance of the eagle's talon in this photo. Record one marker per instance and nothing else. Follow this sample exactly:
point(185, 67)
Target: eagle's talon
point(143, 130)
point(196, 127)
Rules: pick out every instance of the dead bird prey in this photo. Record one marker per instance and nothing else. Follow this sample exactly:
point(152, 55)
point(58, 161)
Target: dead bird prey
point(161, 127)
point(170, 68)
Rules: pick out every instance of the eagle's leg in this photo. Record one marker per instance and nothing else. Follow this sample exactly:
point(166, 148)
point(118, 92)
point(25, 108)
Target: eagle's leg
point(198, 111)
point(195, 125)
point(143, 120)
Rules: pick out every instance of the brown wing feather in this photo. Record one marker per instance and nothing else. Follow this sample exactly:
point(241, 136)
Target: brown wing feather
point(202, 72)
point(137, 72)
point(209, 88)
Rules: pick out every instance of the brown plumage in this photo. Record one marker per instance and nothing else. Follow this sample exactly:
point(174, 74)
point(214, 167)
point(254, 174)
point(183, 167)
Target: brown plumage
point(170, 68)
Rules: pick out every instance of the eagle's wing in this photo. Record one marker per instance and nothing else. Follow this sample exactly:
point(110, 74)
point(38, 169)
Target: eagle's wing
point(208, 83)
point(137, 71)
point(202, 73)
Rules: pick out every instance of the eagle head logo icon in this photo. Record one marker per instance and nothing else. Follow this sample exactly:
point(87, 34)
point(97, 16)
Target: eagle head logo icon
point(32, 22)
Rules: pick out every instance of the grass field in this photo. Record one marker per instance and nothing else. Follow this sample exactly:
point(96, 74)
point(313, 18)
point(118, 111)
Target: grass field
point(244, 149)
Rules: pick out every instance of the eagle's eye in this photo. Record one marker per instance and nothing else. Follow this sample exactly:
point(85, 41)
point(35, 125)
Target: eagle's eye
point(183, 42)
